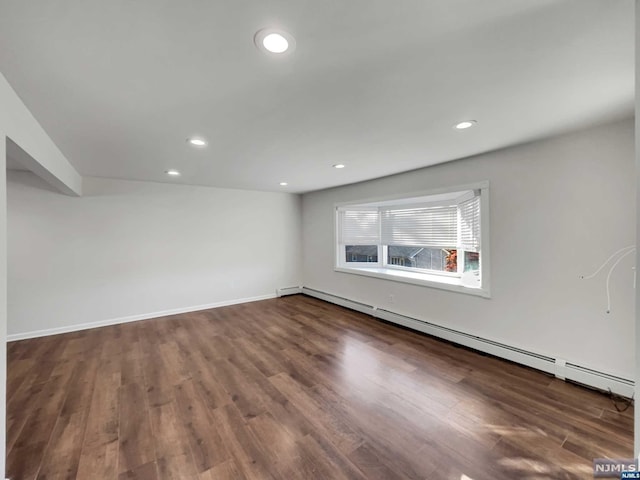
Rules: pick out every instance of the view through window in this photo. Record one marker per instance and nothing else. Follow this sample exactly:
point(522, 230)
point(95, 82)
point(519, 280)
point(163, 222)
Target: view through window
point(431, 238)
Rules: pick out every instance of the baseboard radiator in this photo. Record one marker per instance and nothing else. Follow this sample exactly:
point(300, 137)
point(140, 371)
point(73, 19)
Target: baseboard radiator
point(554, 366)
point(281, 292)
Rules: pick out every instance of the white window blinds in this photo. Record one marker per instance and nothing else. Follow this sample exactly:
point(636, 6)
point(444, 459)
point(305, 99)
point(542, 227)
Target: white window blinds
point(359, 227)
point(420, 226)
point(435, 225)
point(470, 224)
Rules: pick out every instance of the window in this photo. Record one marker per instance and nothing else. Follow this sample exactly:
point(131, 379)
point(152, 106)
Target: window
point(438, 239)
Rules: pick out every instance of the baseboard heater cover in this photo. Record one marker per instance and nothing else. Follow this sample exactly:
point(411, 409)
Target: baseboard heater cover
point(343, 302)
point(557, 367)
point(281, 292)
point(599, 380)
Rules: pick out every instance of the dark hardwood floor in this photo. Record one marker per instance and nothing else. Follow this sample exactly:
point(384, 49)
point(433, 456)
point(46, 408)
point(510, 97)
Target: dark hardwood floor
point(292, 388)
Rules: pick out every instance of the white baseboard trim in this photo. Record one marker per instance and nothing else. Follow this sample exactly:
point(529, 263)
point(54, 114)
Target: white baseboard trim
point(133, 318)
point(561, 368)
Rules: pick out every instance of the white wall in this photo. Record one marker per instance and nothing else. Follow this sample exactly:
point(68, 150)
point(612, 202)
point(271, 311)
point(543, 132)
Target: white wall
point(141, 249)
point(637, 180)
point(3, 301)
point(22, 136)
point(559, 208)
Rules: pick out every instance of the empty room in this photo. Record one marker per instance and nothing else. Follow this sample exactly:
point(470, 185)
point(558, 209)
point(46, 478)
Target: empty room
point(318, 240)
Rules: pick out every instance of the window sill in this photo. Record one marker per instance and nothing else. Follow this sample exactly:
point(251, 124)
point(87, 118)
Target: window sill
point(442, 282)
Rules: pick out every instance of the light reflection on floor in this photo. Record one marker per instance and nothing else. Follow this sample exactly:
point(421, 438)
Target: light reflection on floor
point(373, 379)
point(529, 469)
point(526, 466)
point(357, 363)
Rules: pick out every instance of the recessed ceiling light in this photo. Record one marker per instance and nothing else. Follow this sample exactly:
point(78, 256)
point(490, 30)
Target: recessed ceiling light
point(338, 165)
point(272, 41)
point(465, 124)
point(283, 184)
point(275, 43)
point(197, 142)
point(173, 173)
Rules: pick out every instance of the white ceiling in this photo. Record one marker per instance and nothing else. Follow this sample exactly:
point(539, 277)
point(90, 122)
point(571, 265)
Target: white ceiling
point(373, 84)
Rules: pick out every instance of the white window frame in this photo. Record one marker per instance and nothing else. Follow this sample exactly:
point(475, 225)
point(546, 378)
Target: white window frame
point(451, 281)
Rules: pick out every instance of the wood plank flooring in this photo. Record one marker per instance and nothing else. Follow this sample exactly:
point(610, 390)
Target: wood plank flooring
point(292, 388)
